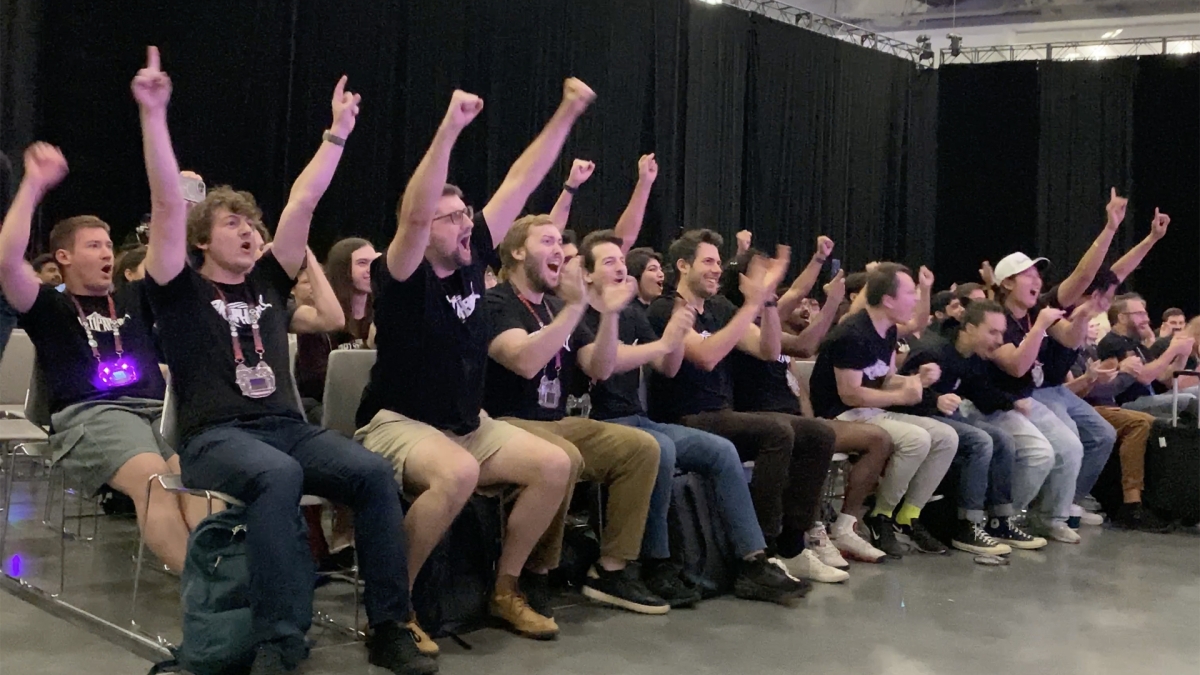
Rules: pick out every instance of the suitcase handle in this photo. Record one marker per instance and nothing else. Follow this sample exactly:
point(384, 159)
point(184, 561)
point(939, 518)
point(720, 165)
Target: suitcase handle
point(1175, 396)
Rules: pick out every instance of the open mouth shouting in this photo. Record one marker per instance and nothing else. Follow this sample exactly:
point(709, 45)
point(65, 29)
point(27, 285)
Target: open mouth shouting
point(248, 246)
point(107, 269)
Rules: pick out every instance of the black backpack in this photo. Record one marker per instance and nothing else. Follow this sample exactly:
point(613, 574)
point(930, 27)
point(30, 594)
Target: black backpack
point(699, 539)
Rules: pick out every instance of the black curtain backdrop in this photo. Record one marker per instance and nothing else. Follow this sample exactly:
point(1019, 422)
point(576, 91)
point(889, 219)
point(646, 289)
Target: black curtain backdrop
point(1028, 152)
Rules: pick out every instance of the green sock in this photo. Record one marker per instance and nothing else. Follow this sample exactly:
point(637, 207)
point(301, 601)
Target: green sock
point(883, 510)
point(907, 513)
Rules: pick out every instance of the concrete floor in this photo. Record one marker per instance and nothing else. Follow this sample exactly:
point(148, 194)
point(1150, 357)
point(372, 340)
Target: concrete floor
point(1121, 603)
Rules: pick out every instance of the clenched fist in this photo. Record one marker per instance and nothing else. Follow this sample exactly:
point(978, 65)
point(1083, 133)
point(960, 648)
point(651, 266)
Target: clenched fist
point(929, 374)
point(948, 404)
point(647, 169)
point(463, 108)
point(581, 171)
point(45, 166)
point(824, 247)
point(577, 96)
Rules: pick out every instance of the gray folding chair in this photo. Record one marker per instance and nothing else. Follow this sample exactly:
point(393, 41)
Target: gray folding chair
point(16, 366)
point(346, 376)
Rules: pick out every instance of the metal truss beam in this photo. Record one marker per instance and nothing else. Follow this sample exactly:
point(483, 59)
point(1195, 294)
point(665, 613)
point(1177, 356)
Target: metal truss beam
point(1072, 51)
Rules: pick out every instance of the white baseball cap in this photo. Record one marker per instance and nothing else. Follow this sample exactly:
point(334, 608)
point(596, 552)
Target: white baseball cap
point(1015, 263)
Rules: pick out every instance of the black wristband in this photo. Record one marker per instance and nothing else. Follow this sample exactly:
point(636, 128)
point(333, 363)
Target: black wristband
point(771, 303)
point(570, 190)
point(336, 140)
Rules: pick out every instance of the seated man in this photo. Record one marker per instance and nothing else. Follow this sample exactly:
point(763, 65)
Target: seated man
point(1095, 383)
point(1173, 321)
point(97, 354)
point(855, 380)
point(764, 387)
point(1146, 373)
point(616, 400)
point(537, 342)
point(432, 329)
point(790, 454)
point(45, 266)
point(985, 451)
point(223, 327)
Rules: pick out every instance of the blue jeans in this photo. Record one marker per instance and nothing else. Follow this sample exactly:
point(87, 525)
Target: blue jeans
point(1047, 460)
point(715, 458)
point(986, 454)
point(1160, 405)
point(269, 463)
point(1096, 434)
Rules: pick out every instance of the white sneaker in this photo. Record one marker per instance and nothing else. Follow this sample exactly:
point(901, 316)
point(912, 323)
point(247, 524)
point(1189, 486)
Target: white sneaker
point(1086, 517)
point(1061, 532)
point(817, 540)
point(808, 566)
point(855, 547)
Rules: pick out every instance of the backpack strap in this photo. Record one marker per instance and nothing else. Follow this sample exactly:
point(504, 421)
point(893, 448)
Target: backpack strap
point(168, 666)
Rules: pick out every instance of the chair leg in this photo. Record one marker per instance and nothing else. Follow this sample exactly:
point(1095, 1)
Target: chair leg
point(137, 569)
point(8, 489)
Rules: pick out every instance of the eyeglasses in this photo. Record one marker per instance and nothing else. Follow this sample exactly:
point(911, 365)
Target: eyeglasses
point(457, 217)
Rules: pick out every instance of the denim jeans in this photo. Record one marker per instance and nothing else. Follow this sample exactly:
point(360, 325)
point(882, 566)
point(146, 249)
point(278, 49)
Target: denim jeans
point(268, 463)
point(1096, 434)
point(715, 458)
point(1160, 405)
point(985, 454)
point(1048, 455)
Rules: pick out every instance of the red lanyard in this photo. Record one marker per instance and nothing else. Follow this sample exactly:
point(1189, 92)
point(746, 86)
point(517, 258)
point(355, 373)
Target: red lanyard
point(116, 329)
point(252, 311)
point(558, 354)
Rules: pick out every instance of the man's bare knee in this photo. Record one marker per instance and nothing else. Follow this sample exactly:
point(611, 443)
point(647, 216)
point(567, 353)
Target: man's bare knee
point(457, 478)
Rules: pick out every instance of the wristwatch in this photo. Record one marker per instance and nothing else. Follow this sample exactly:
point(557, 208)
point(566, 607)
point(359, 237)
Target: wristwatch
point(336, 140)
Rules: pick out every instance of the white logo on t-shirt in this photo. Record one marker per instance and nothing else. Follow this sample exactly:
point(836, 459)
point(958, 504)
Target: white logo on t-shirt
point(238, 313)
point(705, 334)
point(876, 370)
point(463, 307)
point(98, 323)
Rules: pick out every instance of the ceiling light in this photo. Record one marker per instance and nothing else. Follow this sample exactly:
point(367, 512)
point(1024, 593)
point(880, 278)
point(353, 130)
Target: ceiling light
point(713, 2)
point(1112, 34)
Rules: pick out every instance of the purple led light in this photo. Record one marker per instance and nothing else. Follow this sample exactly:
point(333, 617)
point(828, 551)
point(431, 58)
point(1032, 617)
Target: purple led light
point(14, 565)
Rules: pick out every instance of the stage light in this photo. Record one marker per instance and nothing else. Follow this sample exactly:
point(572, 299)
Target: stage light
point(1112, 34)
point(955, 44)
point(926, 48)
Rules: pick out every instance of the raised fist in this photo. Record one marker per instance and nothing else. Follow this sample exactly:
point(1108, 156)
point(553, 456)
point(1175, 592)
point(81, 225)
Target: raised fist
point(925, 278)
point(151, 86)
point(581, 171)
point(987, 275)
point(743, 240)
point(1115, 209)
point(1158, 226)
point(929, 374)
point(45, 166)
point(647, 168)
point(463, 108)
point(577, 95)
point(345, 109)
point(824, 247)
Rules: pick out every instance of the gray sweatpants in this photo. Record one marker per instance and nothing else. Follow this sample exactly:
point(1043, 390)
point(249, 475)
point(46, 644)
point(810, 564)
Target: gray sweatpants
point(924, 450)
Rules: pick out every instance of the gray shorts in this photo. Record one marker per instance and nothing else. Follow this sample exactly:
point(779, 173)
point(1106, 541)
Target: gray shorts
point(94, 439)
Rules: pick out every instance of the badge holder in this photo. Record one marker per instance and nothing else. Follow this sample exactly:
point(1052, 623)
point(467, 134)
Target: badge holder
point(114, 373)
point(256, 382)
point(549, 392)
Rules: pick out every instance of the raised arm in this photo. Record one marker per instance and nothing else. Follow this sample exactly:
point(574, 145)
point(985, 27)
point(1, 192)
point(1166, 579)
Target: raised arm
point(325, 314)
point(291, 236)
point(45, 168)
point(1163, 368)
point(532, 166)
point(758, 287)
point(419, 202)
point(806, 343)
point(804, 283)
point(1130, 261)
point(581, 171)
point(167, 252)
point(629, 225)
point(920, 317)
point(1072, 288)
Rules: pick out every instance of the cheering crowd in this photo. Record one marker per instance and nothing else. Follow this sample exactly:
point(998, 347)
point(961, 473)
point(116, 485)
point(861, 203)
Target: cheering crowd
point(485, 322)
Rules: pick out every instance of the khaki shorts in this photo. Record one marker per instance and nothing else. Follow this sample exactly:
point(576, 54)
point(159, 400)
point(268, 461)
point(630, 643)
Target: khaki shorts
point(393, 436)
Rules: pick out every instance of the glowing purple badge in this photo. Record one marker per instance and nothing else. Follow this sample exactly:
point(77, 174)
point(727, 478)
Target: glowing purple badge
point(118, 372)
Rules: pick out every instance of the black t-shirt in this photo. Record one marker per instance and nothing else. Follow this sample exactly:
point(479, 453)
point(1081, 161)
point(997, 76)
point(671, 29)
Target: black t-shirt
point(1157, 350)
point(194, 329)
point(70, 368)
point(1054, 360)
point(432, 338)
point(762, 386)
point(692, 390)
point(1115, 345)
point(507, 394)
point(618, 395)
point(853, 344)
point(312, 359)
point(966, 376)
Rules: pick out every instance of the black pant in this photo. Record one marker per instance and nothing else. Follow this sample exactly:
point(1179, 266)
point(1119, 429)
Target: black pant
point(791, 459)
point(268, 464)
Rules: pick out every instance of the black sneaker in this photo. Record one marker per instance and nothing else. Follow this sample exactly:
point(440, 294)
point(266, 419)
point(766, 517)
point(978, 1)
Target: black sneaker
point(536, 588)
point(972, 538)
point(1137, 517)
point(392, 646)
point(883, 535)
point(922, 539)
point(622, 589)
point(1009, 531)
point(762, 579)
point(665, 579)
